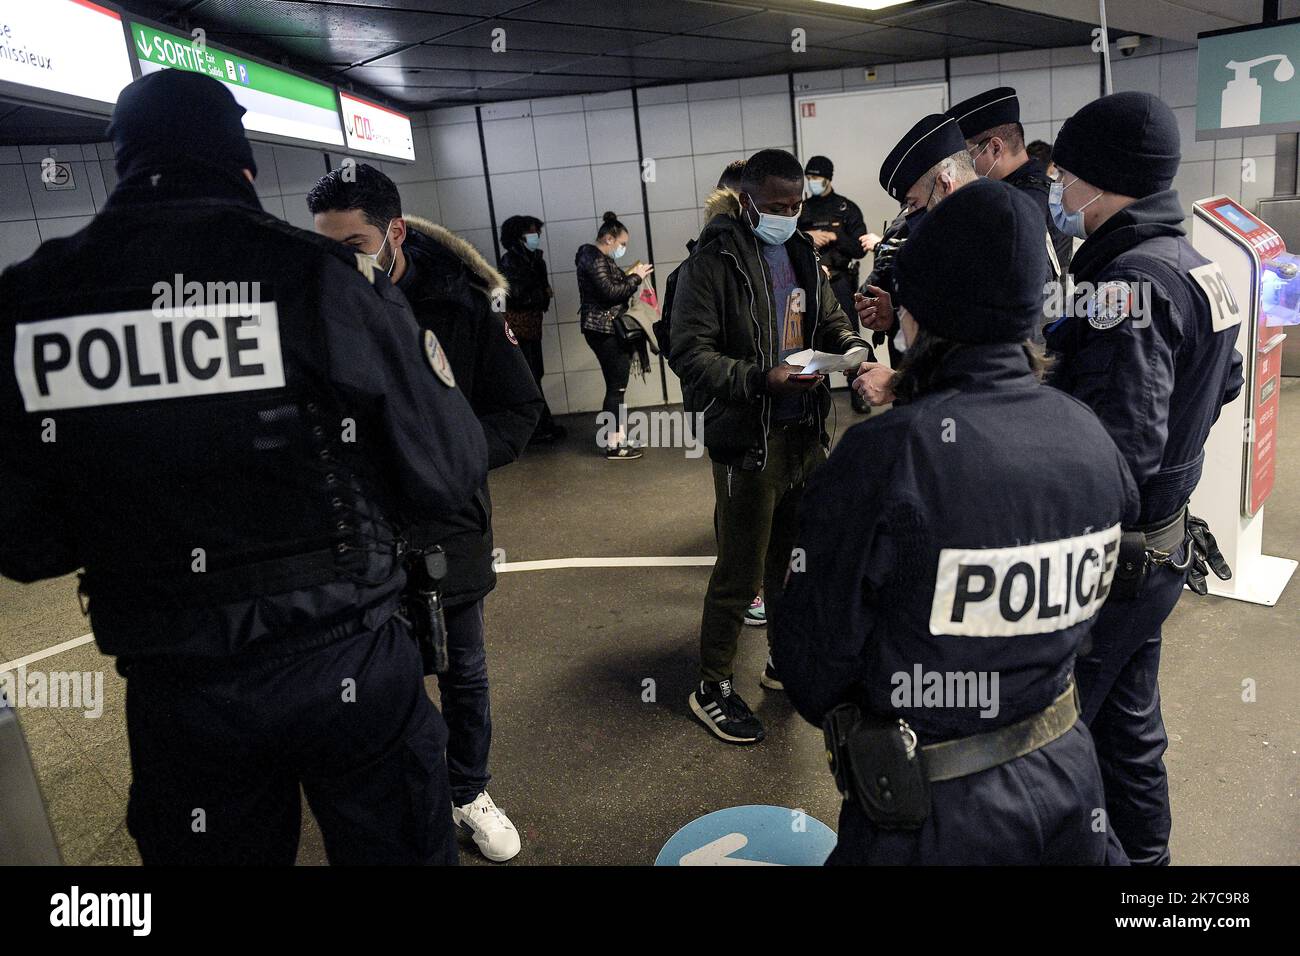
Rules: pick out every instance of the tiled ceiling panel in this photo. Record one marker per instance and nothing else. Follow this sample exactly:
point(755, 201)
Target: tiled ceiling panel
point(420, 53)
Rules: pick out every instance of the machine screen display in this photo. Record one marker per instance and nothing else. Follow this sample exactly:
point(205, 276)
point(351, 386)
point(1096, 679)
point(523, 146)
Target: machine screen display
point(1236, 217)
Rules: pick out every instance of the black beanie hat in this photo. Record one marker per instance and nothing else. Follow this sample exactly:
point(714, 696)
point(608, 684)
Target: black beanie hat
point(820, 166)
point(973, 270)
point(1125, 143)
point(174, 115)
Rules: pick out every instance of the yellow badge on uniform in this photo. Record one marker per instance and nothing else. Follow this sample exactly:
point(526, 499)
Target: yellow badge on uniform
point(1111, 304)
point(437, 356)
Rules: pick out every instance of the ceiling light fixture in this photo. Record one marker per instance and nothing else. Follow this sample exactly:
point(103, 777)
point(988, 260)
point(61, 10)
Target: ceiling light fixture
point(866, 4)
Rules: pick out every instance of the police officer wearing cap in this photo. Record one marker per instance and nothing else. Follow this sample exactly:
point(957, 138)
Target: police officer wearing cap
point(990, 122)
point(926, 165)
point(1144, 348)
point(834, 224)
point(224, 420)
point(952, 555)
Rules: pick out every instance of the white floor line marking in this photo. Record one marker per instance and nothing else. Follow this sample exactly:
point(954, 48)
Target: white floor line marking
point(48, 652)
point(550, 564)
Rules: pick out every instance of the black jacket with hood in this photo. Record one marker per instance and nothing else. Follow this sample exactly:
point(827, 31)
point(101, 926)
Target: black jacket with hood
point(725, 331)
point(451, 288)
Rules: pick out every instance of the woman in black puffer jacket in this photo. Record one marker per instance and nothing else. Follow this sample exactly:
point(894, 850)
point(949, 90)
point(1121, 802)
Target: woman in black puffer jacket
point(603, 289)
point(523, 265)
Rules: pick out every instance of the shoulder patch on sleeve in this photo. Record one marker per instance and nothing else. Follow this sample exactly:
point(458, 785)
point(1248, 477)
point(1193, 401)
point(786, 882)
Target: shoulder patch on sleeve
point(366, 266)
point(437, 358)
point(510, 334)
point(1110, 305)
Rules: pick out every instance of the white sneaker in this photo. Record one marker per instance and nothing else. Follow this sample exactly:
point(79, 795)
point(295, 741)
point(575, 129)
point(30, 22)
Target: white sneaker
point(496, 836)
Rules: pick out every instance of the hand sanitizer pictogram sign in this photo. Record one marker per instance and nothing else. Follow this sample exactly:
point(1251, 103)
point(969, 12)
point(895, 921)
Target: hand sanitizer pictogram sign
point(1243, 99)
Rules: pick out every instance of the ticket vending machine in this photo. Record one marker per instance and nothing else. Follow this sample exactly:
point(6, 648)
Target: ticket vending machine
point(1259, 281)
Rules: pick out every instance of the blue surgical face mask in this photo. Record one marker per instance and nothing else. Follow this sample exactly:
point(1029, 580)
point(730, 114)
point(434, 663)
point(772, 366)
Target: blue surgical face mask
point(773, 230)
point(620, 251)
point(533, 240)
point(1070, 223)
point(816, 186)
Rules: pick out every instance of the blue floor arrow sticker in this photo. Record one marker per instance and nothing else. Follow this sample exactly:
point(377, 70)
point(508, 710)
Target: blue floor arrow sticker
point(750, 836)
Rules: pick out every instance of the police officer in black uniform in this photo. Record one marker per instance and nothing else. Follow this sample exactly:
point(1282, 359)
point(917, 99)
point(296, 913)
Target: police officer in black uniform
point(834, 223)
point(926, 165)
point(951, 557)
point(224, 420)
point(1144, 348)
point(990, 122)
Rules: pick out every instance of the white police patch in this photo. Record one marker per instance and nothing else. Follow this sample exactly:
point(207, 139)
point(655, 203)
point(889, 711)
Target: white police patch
point(1028, 589)
point(1110, 305)
point(143, 355)
point(437, 356)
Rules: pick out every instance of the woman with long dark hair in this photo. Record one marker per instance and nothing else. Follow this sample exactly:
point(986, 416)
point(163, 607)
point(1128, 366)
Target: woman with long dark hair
point(524, 266)
point(603, 289)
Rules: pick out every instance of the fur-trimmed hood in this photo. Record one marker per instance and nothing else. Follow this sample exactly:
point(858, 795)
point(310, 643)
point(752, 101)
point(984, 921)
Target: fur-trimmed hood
point(466, 253)
point(722, 202)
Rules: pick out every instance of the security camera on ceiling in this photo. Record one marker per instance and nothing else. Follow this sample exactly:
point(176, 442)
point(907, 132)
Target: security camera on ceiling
point(1127, 45)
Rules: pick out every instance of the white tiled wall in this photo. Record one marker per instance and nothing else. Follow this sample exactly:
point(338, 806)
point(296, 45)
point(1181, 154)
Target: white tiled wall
point(568, 159)
point(31, 214)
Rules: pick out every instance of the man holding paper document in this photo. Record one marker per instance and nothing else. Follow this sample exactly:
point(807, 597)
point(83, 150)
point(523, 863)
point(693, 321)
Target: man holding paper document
point(749, 300)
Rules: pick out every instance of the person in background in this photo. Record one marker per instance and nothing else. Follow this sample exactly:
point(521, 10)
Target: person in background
point(450, 287)
point(1042, 152)
point(834, 223)
point(524, 267)
point(750, 296)
point(603, 290)
point(939, 540)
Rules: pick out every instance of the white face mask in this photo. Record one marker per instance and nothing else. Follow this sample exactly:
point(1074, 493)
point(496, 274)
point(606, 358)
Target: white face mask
point(375, 255)
point(620, 251)
point(983, 150)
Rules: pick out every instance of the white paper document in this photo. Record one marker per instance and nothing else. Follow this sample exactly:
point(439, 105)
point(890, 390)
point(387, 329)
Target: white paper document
point(813, 361)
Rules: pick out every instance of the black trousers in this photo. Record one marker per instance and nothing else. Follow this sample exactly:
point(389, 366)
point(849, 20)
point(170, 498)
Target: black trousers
point(1038, 810)
point(532, 349)
point(1120, 690)
point(217, 759)
point(615, 366)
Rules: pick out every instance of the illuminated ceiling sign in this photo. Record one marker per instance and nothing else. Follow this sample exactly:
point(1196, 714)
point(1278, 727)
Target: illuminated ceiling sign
point(280, 104)
point(64, 53)
point(372, 128)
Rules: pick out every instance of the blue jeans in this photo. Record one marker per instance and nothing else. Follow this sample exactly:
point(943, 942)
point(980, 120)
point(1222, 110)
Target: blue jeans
point(464, 694)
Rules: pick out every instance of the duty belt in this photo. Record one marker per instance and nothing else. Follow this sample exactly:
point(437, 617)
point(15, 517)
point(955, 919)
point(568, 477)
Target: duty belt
point(1164, 538)
point(964, 756)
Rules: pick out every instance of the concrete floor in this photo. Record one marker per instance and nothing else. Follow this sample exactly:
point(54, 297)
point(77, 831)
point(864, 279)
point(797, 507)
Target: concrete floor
point(591, 773)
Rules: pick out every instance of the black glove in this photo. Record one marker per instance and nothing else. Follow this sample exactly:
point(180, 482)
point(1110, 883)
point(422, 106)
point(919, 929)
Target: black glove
point(1205, 550)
